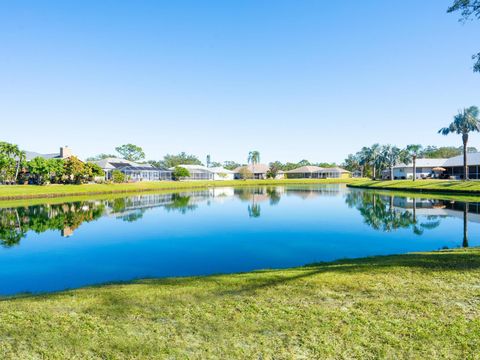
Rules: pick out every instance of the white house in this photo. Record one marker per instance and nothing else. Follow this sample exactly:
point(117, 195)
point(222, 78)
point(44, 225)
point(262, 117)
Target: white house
point(424, 169)
point(134, 171)
point(200, 172)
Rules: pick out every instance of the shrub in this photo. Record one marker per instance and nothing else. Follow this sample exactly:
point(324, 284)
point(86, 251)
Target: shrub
point(118, 176)
point(245, 173)
point(93, 171)
point(180, 172)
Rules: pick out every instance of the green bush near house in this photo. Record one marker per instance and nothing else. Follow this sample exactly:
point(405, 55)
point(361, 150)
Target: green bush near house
point(118, 177)
point(180, 173)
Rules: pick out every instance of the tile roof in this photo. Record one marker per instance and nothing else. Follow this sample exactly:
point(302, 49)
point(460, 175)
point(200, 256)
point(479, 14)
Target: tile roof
point(304, 169)
point(259, 168)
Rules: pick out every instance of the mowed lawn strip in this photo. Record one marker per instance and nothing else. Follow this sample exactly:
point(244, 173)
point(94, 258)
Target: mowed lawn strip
point(11, 192)
point(423, 305)
point(432, 186)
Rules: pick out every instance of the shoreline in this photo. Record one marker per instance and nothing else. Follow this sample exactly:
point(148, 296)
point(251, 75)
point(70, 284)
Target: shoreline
point(360, 308)
point(22, 192)
point(439, 187)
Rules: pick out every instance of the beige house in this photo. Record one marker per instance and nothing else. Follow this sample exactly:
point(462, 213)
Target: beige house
point(303, 172)
point(315, 172)
point(259, 171)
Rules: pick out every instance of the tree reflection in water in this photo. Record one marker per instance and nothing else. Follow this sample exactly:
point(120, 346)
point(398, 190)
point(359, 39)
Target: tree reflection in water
point(380, 212)
point(16, 222)
point(180, 203)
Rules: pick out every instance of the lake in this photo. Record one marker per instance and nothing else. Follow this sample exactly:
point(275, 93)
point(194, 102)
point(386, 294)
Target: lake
point(56, 246)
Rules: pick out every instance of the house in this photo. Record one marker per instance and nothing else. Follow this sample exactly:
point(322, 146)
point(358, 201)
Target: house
point(454, 166)
point(357, 173)
point(315, 172)
point(200, 172)
point(259, 171)
point(437, 168)
point(303, 172)
point(132, 170)
point(334, 173)
point(424, 169)
point(64, 153)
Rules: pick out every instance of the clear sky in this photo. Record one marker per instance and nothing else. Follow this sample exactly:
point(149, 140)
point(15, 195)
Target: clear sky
point(294, 79)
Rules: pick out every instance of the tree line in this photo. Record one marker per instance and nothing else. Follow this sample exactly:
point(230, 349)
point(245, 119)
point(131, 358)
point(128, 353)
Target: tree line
point(14, 168)
point(371, 161)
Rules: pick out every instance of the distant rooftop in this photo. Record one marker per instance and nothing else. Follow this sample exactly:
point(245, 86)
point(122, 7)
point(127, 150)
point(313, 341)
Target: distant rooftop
point(257, 169)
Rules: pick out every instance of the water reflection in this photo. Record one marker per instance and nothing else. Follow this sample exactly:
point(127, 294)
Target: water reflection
point(382, 212)
point(387, 212)
point(220, 230)
point(15, 223)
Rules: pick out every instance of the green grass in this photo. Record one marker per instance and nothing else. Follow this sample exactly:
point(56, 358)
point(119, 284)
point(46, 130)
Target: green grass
point(415, 306)
point(10, 192)
point(432, 186)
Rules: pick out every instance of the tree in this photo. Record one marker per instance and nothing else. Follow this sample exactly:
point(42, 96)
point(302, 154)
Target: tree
point(414, 150)
point(180, 172)
point(11, 159)
point(131, 152)
point(230, 165)
point(253, 158)
point(370, 156)
point(245, 173)
point(44, 170)
point(171, 160)
point(100, 157)
point(468, 9)
point(74, 170)
point(464, 122)
point(272, 171)
point(93, 170)
point(118, 176)
point(365, 161)
point(208, 160)
point(351, 163)
point(444, 152)
point(391, 155)
point(57, 169)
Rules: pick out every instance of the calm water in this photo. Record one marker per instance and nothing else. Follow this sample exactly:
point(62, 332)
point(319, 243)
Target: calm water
point(55, 247)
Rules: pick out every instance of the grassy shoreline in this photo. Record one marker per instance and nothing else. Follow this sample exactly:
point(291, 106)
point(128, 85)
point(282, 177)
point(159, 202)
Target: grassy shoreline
point(405, 306)
point(446, 187)
point(15, 192)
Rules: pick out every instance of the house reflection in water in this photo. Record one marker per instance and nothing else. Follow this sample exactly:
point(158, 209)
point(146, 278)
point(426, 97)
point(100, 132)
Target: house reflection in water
point(390, 212)
point(15, 223)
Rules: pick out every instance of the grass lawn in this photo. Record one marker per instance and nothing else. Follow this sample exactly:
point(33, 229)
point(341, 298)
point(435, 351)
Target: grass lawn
point(10, 192)
point(432, 186)
point(415, 306)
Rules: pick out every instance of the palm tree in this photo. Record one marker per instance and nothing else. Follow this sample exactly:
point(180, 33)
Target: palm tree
point(390, 156)
point(413, 152)
point(363, 157)
point(253, 158)
point(464, 122)
point(373, 154)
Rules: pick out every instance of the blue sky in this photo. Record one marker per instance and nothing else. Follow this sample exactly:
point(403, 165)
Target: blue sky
point(293, 79)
